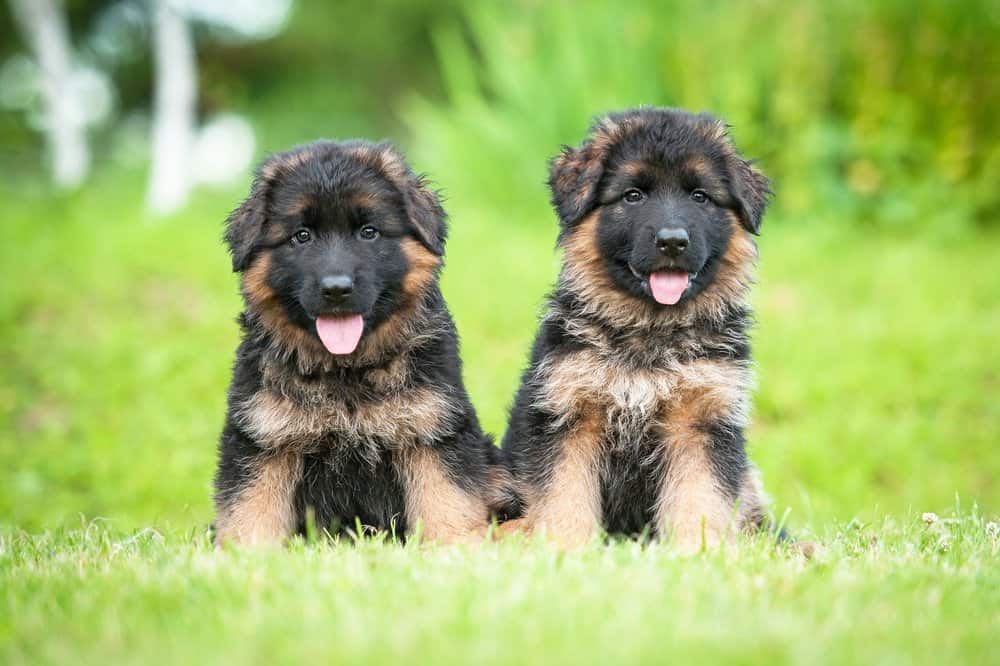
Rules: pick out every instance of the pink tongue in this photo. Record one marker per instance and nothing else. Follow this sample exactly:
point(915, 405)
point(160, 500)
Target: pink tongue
point(668, 286)
point(340, 335)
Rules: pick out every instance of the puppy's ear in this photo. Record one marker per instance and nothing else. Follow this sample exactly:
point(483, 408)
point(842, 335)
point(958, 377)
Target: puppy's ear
point(752, 190)
point(245, 225)
point(573, 179)
point(575, 174)
point(423, 206)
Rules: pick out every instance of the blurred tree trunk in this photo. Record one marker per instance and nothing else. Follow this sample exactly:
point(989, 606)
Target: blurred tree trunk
point(176, 82)
point(43, 24)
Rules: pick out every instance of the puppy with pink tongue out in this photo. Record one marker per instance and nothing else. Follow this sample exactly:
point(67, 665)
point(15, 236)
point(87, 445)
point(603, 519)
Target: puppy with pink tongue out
point(347, 404)
point(630, 416)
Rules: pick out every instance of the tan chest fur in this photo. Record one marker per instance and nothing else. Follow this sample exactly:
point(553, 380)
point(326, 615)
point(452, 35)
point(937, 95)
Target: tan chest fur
point(407, 419)
point(641, 397)
point(288, 412)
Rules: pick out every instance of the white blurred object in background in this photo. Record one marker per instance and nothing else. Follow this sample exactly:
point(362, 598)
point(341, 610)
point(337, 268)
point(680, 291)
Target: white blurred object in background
point(241, 19)
point(223, 149)
point(174, 99)
point(43, 23)
point(63, 92)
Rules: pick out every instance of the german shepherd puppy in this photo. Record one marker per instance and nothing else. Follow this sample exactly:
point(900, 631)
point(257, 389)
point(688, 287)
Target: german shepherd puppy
point(347, 401)
point(630, 416)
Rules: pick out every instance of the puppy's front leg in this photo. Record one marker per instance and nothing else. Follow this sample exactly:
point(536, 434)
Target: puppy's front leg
point(446, 512)
point(567, 507)
point(255, 493)
point(691, 509)
point(707, 474)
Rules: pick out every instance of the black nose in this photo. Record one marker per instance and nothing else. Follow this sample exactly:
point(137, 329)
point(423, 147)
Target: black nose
point(671, 241)
point(336, 287)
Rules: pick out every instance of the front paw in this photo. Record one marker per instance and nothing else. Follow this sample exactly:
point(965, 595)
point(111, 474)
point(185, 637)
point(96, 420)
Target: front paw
point(518, 526)
point(698, 538)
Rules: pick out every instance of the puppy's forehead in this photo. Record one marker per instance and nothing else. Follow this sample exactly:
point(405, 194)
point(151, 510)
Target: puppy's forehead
point(670, 141)
point(655, 167)
point(335, 179)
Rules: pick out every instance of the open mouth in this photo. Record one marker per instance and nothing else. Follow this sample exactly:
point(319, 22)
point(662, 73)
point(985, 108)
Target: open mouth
point(667, 287)
point(340, 334)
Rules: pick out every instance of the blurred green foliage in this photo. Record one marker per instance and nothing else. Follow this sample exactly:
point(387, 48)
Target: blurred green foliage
point(879, 113)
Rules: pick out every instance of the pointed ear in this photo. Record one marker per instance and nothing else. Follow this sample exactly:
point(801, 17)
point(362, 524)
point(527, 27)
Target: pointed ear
point(423, 206)
point(245, 225)
point(573, 179)
point(752, 190)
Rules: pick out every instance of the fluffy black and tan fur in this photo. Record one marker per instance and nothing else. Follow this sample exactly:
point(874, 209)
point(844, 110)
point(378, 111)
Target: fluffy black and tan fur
point(386, 435)
point(630, 417)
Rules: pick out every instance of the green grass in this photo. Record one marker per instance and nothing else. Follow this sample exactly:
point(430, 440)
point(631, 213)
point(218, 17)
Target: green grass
point(897, 592)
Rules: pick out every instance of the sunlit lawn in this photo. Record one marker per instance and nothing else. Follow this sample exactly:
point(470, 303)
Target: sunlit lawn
point(878, 375)
point(896, 592)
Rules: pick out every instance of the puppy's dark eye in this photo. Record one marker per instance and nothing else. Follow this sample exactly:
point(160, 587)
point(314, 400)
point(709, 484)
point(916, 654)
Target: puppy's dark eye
point(302, 236)
point(633, 196)
point(699, 196)
point(368, 232)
